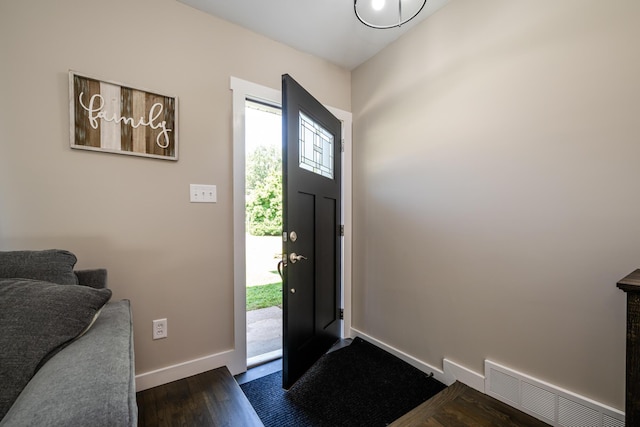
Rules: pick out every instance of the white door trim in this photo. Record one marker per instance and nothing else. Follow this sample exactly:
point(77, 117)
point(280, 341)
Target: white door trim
point(243, 90)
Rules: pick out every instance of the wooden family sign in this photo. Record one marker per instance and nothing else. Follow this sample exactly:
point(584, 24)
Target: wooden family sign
point(110, 117)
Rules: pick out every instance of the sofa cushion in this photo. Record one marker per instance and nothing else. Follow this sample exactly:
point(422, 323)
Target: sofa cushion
point(52, 265)
point(91, 382)
point(38, 319)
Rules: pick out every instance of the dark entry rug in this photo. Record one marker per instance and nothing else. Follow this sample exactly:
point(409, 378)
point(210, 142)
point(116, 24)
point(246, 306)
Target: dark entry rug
point(358, 385)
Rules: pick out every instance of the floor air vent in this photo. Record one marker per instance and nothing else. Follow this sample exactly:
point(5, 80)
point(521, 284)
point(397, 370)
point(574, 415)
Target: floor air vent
point(538, 400)
point(506, 386)
point(546, 402)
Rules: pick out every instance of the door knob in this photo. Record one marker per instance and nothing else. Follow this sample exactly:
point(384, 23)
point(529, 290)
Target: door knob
point(295, 257)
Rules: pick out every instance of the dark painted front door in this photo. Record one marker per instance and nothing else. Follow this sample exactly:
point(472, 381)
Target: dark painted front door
point(311, 167)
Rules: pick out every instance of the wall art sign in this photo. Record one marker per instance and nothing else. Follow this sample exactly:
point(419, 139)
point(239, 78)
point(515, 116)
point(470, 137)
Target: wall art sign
point(110, 117)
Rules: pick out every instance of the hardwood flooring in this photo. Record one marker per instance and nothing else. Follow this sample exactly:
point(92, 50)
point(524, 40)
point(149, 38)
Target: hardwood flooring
point(214, 398)
point(461, 406)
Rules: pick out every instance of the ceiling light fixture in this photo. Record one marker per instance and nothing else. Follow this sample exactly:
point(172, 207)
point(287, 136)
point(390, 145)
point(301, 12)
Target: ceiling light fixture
point(381, 14)
point(377, 4)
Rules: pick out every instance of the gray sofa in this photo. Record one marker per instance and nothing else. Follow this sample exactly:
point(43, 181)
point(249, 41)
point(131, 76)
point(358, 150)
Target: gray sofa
point(73, 349)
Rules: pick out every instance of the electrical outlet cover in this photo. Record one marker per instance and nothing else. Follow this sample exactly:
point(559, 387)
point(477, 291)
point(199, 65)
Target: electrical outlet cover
point(159, 329)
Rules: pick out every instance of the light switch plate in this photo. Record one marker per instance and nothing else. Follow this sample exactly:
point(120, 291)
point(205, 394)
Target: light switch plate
point(201, 193)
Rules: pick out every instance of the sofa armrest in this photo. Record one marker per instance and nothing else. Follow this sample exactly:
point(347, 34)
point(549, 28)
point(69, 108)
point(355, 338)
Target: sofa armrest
point(95, 278)
point(91, 382)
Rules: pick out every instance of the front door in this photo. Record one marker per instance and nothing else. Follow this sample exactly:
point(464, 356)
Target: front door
point(311, 168)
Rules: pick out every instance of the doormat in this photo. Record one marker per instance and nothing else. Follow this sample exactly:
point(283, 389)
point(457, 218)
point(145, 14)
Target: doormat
point(358, 385)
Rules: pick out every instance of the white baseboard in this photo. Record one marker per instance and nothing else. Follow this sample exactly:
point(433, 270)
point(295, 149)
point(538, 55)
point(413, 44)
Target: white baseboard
point(542, 400)
point(455, 372)
point(547, 402)
point(183, 370)
point(450, 373)
point(416, 363)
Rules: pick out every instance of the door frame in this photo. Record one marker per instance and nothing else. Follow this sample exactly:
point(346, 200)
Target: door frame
point(243, 90)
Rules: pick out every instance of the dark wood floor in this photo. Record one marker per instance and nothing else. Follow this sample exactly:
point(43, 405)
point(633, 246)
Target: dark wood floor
point(461, 406)
point(214, 398)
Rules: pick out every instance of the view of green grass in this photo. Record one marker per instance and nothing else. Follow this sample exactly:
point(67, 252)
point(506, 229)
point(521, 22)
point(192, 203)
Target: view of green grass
point(264, 296)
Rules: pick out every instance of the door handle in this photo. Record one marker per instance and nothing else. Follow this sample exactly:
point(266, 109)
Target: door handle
point(295, 257)
point(281, 264)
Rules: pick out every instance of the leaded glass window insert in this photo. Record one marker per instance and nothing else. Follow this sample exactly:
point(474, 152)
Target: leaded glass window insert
point(316, 147)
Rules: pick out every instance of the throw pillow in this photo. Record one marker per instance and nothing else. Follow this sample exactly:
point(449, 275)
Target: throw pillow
point(38, 319)
point(52, 265)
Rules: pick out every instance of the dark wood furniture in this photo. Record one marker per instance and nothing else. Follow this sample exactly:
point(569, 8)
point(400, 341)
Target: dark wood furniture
point(631, 285)
point(461, 406)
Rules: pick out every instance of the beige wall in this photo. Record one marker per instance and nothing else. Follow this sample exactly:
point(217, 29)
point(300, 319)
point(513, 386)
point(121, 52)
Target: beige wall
point(132, 215)
point(496, 183)
point(495, 186)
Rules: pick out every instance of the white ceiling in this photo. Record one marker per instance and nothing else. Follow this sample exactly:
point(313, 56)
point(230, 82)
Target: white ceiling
point(325, 28)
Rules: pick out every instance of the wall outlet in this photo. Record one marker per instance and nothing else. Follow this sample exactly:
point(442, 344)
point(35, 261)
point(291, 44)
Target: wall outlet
point(159, 329)
point(200, 193)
